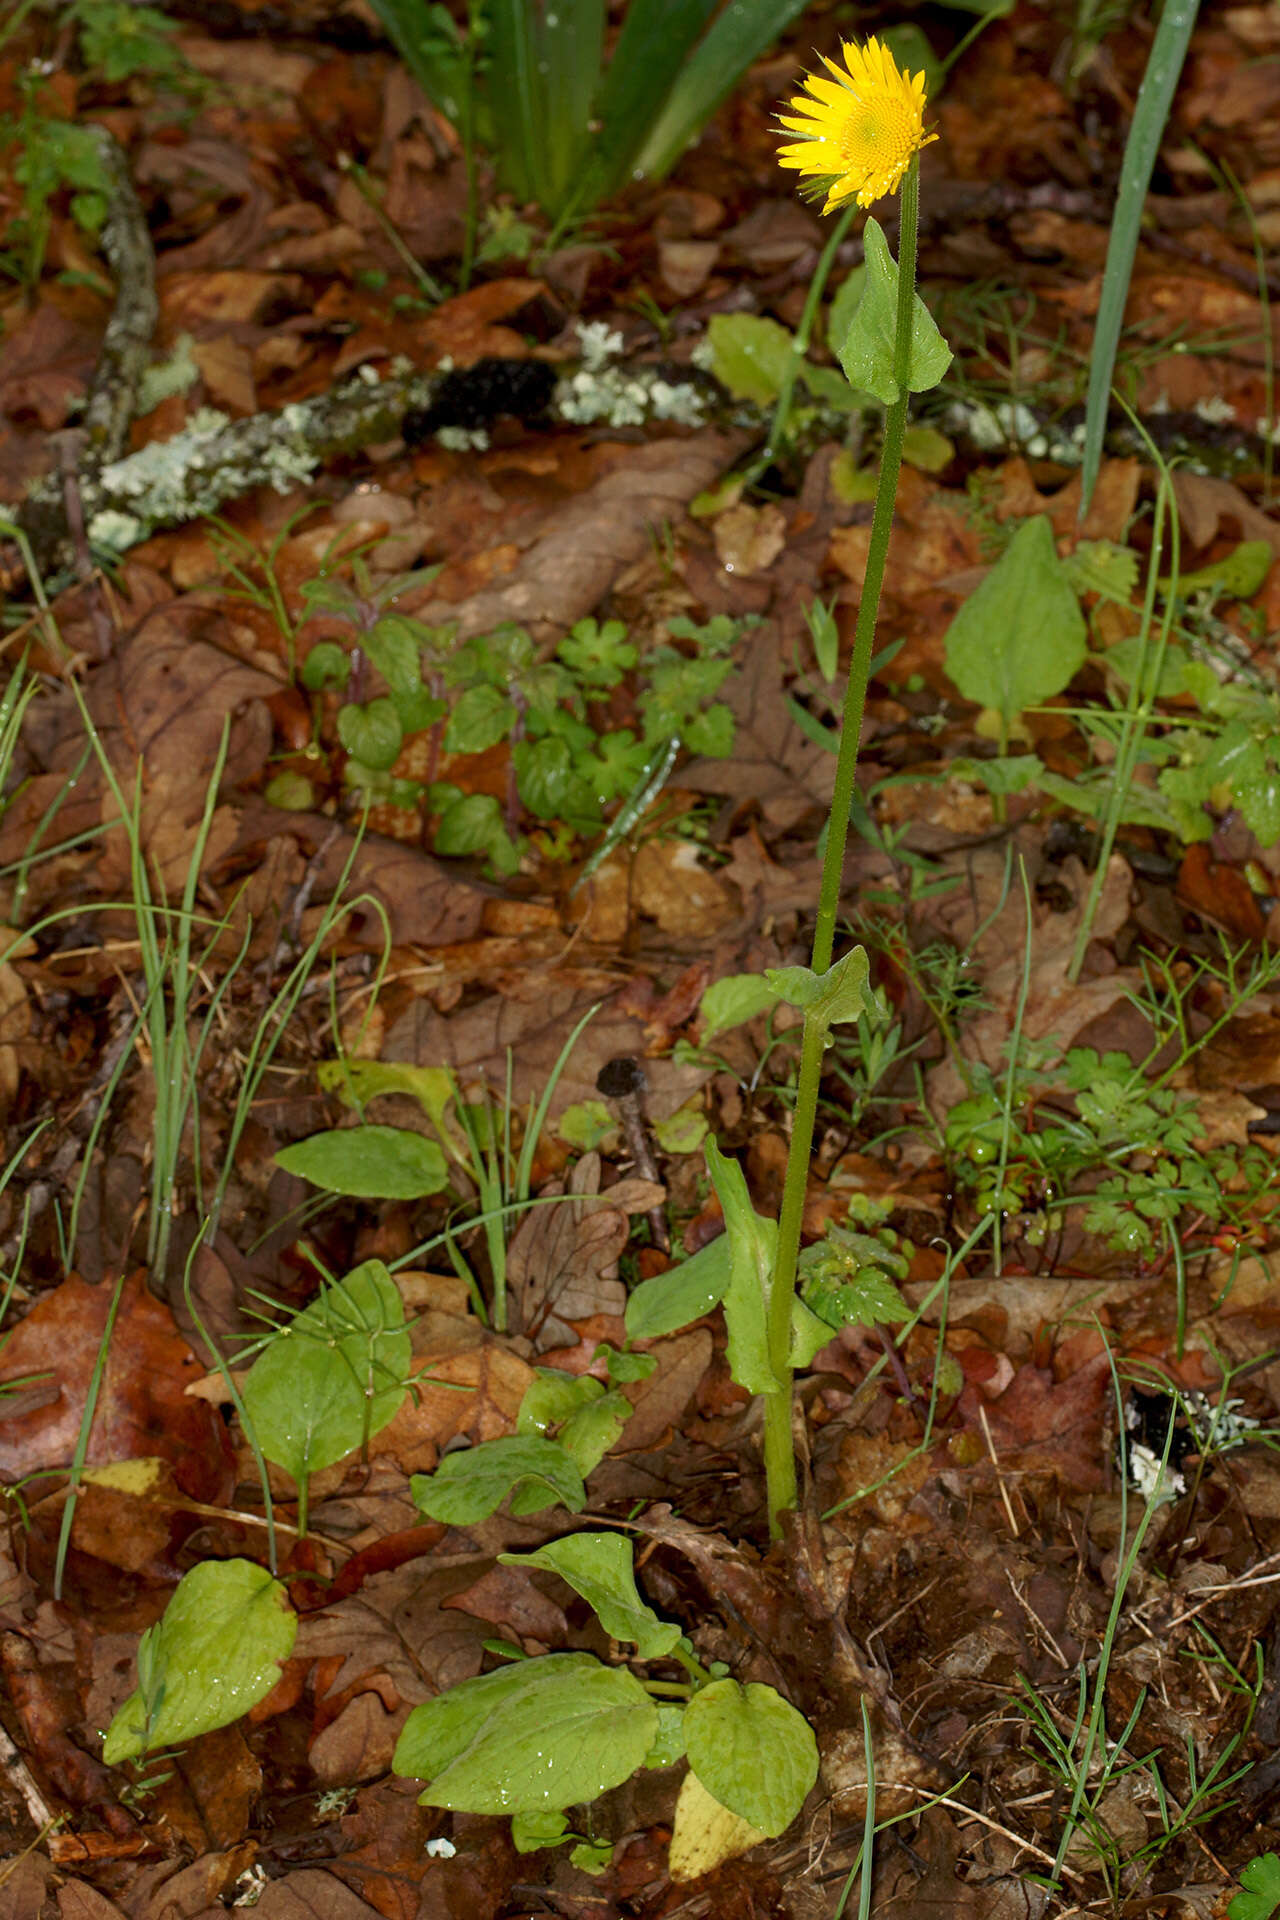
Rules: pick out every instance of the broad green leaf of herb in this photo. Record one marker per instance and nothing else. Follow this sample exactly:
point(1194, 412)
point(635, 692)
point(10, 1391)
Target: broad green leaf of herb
point(751, 357)
point(1020, 636)
point(673, 1300)
point(1100, 566)
point(599, 1567)
point(867, 350)
point(467, 1487)
point(368, 1163)
point(373, 733)
point(730, 1002)
point(215, 1652)
point(752, 1750)
point(333, 1375)
point(597, 655)
point(531, 1738)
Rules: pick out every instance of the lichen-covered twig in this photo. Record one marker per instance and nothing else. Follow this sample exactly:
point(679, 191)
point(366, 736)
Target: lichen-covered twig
point(126, 345)
point(215, 459)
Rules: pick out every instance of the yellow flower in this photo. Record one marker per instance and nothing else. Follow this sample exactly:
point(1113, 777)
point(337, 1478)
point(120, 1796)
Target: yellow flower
point(859, 130)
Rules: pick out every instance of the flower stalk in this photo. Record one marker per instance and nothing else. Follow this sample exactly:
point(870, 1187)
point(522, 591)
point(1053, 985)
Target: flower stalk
point(779, 1451)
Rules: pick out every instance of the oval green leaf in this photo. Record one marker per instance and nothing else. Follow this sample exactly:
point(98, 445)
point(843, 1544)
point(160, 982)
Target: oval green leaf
point(215, 1653)
point(334, 1375)
point(541, 1735)
point(753, 1751)
point(368, 1163)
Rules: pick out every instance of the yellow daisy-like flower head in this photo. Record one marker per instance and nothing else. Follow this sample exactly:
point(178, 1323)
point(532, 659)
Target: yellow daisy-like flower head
point(860, 129)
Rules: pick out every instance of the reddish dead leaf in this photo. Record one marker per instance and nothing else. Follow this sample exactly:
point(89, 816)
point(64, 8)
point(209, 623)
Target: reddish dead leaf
point(397, 1626)
point(358, 1745)
point(1039, 1425)
point(1219, 892)
point(212, 1787)
point(142, 1411)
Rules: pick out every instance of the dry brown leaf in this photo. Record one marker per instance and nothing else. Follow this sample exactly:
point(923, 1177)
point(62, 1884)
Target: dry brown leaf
point(659, 1403)
point(358, 1745)
point(310, 1894)
point(749, 539)
point(426, 905)
point(562, 1259)
point(474, 1042)
point(1206, 502)
point(77, 1901)
point(1055, 1007)
point(472, 1390)
point(397, 1625)
point(573, 564)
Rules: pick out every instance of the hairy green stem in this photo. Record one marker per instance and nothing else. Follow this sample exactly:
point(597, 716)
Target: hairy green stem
point(779, 1452)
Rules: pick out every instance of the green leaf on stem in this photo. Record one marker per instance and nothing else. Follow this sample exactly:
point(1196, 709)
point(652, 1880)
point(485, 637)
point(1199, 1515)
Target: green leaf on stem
point(599, 1567)
point(835, 997)
point(676, 1299)
point(867, 350)
point(753, 1243)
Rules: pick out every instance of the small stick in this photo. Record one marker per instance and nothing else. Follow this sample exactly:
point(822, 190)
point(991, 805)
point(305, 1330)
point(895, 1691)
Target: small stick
point(621, 1081)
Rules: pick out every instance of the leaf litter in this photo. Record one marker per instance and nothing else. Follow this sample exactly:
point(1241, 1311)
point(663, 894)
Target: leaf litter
point(967, 1524)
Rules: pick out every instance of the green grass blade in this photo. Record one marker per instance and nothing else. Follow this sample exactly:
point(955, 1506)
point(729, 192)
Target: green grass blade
point(657, 37)
point(1155, 97)
point(434, 54)
point(739, 36)
point(516, 102)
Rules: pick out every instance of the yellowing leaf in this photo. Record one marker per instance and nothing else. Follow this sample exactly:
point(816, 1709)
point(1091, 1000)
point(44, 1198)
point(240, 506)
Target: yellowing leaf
point(704, 1834)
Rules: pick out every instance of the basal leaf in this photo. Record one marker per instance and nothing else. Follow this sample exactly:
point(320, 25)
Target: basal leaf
point(538, 1736)
point(216, 1651)
point(753, 1751)
point(333, 1375)
point(469, 1486)
point(368, 1163)
point(1020, 636)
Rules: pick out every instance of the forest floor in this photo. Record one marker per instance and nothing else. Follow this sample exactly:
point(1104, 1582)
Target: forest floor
point(241, 919)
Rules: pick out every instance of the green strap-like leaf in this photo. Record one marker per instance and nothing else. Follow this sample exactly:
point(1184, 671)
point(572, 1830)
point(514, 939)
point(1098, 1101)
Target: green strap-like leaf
point(1159, 82)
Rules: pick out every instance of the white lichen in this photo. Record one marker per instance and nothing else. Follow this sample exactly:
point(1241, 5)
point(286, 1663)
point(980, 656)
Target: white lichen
point(114, 532)
point(168, 377)
point(620, 399)
point(462, 439)
point(288, 465)
point(600, 344)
